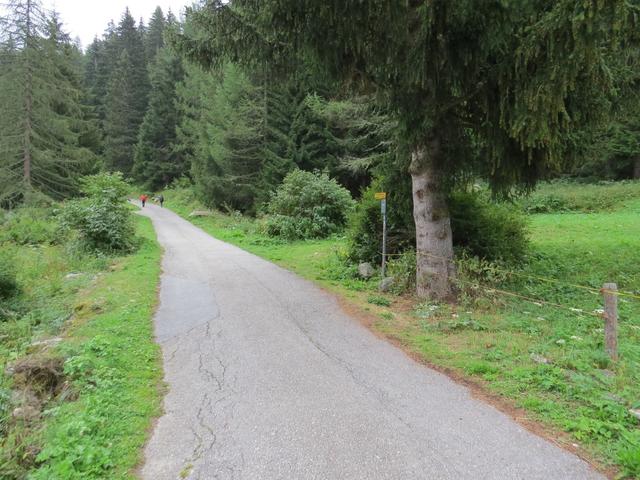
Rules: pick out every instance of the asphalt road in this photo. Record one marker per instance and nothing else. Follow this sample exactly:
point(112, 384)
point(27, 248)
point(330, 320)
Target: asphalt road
point(269, 379)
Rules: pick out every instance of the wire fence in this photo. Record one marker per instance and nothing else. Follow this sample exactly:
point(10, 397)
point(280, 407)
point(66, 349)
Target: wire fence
point(609, 293)
point(594, 290)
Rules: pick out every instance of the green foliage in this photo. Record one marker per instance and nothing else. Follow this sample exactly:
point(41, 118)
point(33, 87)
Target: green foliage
point(495, 91)
point(629, 455)
point(113, 366)
point(612, 151)
point(365, 225)
point(154, 36)
point(234, 131)
point(8, 280)
point(475, 277)
point(102, 218)
point(379, 300)
point(46, 129)
point(349, 137)
point(571, 196)
point(308, 205)
point(157, 160)
point(489, 230)
point(314, 145)
point(402, 267)
point(29, 226)
point(126, 87)
point(490, 102)
point(121, 121)
point(41, 309)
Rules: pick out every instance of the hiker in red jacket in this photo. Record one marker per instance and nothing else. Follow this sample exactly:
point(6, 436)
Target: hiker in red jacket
point(143, 199)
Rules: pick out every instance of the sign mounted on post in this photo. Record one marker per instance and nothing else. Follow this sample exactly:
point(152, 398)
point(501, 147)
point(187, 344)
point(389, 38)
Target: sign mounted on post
point(380, 195)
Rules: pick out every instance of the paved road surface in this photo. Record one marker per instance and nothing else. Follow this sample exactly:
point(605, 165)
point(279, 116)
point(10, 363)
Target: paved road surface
point(269, 379)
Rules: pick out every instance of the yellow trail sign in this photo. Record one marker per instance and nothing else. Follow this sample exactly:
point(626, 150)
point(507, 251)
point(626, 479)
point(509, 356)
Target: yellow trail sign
point(380, 195)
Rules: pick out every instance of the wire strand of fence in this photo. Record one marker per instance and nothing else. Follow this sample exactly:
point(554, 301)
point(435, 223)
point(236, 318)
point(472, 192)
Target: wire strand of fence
point(593, 290)
point(535, 301)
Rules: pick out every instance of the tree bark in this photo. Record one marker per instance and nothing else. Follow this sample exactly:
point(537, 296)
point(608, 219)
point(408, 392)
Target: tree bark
point(435, 270)
point(636, 168)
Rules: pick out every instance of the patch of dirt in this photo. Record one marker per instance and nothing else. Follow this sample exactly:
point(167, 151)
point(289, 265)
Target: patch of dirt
point(38, 379)
point(40, 374)
point(90, 307)
point(477, 387)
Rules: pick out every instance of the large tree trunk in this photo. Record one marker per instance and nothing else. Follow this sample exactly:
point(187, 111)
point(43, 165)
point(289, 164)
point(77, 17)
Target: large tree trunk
point(434, 246)
point(636, 168)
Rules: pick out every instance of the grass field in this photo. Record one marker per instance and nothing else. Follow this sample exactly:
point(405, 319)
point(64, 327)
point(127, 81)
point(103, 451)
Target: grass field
point(548, 360)
point(567, 196)
point(96, 423)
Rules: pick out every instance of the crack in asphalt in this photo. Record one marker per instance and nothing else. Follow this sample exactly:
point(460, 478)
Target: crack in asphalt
point(381, 395)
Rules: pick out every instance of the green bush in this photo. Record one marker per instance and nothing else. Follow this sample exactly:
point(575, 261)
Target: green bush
point(308, 205)
point(545, 204)
point(403, 270)
point(486, 229)
point(102, 218)
point(8, 282)
point(365, 225)
point(379, 300)
point(629, 456)
point(489, 230)
point(29, 226)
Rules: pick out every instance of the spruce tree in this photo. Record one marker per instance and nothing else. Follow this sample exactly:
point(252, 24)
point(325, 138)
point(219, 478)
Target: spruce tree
point(126, 95)
point(227, 171)
point(157, 160)
point(154, 37)
point(122, 117)
point(314, 146)
point(234, 132)
point(278, 116)
point(44, 120)
point(96, 78)
point(612, 152)
point(508, 80)
point(191, 110)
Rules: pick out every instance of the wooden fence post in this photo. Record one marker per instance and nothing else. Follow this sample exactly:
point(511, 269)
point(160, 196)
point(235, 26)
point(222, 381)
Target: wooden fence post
point(609, 291)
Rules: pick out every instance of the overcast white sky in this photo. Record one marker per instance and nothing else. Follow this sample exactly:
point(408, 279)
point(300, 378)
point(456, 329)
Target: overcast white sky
point(86, 18)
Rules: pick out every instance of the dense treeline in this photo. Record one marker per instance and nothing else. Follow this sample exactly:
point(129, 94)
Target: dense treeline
point(140, 109)
point(504, 92)
point(47, 133)
point(236, 95)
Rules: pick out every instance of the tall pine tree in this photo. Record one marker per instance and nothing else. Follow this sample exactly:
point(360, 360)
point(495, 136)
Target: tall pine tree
point(126, 98)
point(513, 78)
point(157, 160)
point(154, 37)
point(122, 118)
point(44, 121)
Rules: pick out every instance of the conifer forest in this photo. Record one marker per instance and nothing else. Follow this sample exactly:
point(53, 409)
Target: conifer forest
point(500, 138)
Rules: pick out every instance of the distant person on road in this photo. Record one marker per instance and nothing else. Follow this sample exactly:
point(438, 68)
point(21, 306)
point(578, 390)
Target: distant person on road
point(143, 200)
point(160, 199)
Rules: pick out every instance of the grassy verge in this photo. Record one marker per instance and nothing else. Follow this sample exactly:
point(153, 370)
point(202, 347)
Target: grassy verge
point(99, 387)
point(566, 196)
point(548, 360)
